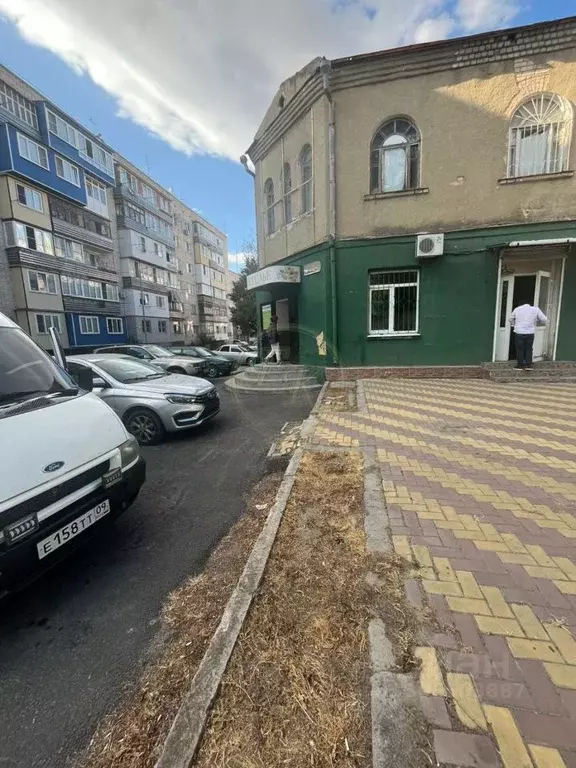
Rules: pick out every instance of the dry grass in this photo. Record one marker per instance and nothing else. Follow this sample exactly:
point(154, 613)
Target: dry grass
point(296, 692)
point(338, 399)
point(131, 737)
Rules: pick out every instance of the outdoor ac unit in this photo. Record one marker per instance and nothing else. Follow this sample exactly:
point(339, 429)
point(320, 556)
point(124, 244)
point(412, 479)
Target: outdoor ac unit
point(122, 295)
point(429, 246)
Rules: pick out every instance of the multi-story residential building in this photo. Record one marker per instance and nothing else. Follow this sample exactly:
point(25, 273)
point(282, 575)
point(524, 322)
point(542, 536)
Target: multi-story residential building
point(152, 294)
point(408, 199)
point(57, 239)
point(205, 253)
point(184, 237)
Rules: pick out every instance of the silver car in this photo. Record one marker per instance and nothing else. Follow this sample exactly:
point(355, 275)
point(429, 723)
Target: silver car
point(236, 352)
point(159, 356)
point(149, 402)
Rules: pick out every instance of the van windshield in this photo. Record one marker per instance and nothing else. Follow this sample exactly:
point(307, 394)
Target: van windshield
point(26, 371)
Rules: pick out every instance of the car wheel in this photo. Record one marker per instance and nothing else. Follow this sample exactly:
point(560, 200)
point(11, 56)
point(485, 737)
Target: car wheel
point(145, 426)
point(177, 370)
point(213, 372)
point(250, 362)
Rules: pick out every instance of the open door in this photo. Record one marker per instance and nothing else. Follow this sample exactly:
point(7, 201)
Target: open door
point(503, 329)
point(542, 301)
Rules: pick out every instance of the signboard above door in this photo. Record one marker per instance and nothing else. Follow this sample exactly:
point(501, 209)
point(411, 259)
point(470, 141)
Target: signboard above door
point(271, 275)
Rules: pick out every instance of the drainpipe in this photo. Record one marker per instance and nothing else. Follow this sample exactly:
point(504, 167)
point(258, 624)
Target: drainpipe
point(326, 70)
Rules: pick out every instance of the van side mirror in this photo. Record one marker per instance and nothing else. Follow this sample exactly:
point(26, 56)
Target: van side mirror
point(85, 379)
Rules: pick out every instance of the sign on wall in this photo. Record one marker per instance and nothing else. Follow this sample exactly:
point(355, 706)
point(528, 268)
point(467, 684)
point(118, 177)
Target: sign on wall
point(270, 275)
point(312, 268)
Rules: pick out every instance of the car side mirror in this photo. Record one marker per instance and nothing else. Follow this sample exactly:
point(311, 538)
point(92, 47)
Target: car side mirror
point(98, 383)
point(85, 379)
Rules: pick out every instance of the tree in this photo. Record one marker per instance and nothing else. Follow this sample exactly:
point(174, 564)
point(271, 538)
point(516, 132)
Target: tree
point(243, 314)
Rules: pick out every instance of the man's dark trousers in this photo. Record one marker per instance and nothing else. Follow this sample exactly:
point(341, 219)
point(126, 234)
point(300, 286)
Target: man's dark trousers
point(524, 349)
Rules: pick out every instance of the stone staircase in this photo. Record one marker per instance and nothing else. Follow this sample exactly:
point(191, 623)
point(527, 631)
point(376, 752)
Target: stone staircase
point(273, 379)
point(545, 371)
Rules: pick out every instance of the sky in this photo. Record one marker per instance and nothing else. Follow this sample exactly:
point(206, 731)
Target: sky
point(179, 87)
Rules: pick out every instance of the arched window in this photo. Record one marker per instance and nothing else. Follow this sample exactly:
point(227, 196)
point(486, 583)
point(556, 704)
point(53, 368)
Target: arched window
point(287, 182)
point(306, 179)
point(269, 206)
point(540, 135)
point(395, 157)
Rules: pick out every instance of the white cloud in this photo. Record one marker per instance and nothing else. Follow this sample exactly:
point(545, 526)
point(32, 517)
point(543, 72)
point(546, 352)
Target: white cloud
point(236, 261)
point(201, 73)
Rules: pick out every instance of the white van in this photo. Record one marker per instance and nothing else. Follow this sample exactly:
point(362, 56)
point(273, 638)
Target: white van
point(67, 464)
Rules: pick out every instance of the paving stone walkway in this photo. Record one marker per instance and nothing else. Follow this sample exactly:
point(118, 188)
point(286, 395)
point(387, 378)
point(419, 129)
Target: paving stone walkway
point(480, 487)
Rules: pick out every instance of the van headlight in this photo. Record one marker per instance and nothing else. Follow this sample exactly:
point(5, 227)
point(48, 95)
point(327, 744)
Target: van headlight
point(129, 452)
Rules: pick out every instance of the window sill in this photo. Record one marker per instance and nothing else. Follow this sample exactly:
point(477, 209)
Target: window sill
point(400, 193)
point(537, 177)
point(394, 336)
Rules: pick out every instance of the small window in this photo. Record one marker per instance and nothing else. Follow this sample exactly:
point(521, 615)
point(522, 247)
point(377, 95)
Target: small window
point(225, 348)
point(395, 157)
point(67, 171)
point(540, 136)
point(42, 282)
point(269, 206)
point(287, 182)
point(160, 301)
point(30, 198)
point(306, 179)
point(114, 325)
point(162, 326)
point(33, 152)
point(45, 322)
point(143, 244)
point(393, 303)
point(89, 325)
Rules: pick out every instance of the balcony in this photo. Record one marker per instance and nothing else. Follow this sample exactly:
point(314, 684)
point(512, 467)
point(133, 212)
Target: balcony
point(124, 191)
point(36, 260)
point(139, 284)
point(91, 306)
point(125, 222)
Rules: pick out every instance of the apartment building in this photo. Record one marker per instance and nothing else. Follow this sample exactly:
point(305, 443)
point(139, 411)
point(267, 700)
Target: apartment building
point(58, 261)
point(151, 295)
point(205, 253)
point(407, 199)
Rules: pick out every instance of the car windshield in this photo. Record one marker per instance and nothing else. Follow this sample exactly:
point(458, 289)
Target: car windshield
point(189, 351)
point(26, 371)
point(204, 352)
point(128, 370)
point(158, 351)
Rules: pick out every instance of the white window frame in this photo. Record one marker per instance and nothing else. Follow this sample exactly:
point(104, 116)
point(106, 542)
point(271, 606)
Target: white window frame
point(68, 249)
point(160, 303)
point(18, 105)
point(112, 322)
point(70, 172)
point(97, 196)
point(106, 165)
point(24, 145)
point(63, 130)
point(48, 318)
point(46, 278)
point(30, 195)
point(82, 288)
point(391, 287)
point(87, 321)
point(162, 326)
point(112, 287)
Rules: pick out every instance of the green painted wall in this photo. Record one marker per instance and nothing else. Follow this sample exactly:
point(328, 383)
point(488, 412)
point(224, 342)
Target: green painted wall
point(457, 298)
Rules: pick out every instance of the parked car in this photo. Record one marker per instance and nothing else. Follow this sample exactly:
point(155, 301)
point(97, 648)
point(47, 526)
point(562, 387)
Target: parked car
point(250, 346)
point(68, 465)
point(238, 353)
point(217, 365)
point(149, 402)
point(165, 358)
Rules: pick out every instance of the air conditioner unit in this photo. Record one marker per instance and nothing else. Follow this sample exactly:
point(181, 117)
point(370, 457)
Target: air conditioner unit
point(122, 295)
point(429, 246)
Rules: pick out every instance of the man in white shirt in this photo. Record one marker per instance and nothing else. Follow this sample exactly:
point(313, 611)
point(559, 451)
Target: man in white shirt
point(524, 320)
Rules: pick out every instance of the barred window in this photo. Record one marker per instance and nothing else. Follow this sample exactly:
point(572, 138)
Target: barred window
point(540, 136)
point(395, 157)
point(393, 302)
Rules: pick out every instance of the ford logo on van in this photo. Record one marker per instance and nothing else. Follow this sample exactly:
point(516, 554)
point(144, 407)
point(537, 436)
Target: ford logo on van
point(54, 467)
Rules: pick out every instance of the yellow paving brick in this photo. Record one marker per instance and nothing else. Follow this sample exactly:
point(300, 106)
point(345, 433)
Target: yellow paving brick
point(426, 573)
point(567, 587)
point(567, 566)
point(529, 622)
point(449, 525)
point(442, 588)
point(431, 680)
point(498, 605)
point(445, 570)
point(493, 626)
point(510, 743)
point(516, 559)
point(564, 640)
point(492, 546)
point(534, 649)
point(540, 555)
point(425, 515)
point(469, 585)
point(546, 757)
point(422, 556)
point(514, 543)
point(402, 547)
point(468, 707)
point(469, 523)
point(490, 532)
point(472, 536)
point(562, 675)
point(540, 572)
point(469, 605)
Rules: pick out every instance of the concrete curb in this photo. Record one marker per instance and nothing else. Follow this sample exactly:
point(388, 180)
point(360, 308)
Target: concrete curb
point(376, 522)
point(186, 732)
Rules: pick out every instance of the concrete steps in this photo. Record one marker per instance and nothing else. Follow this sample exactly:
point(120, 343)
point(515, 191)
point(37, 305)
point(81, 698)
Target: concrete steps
point(273, 379)
point(544, 371)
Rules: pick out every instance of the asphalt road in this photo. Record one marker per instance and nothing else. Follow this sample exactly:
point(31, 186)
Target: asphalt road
point(73, 641)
